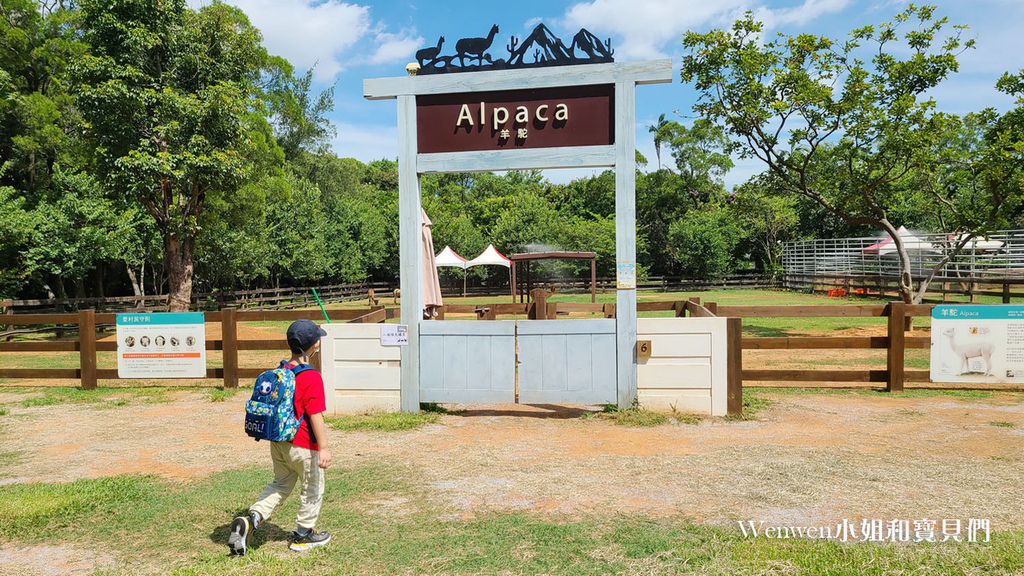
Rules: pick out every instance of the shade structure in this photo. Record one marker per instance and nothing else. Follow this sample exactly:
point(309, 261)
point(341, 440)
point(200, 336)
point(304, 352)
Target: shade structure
point(431, 283)
point(911, 242)
point(976, 244)
point(491, 257)
point(448, 257)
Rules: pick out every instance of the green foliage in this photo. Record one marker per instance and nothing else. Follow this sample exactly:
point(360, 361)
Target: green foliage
point(842, 124)
point(703, 242)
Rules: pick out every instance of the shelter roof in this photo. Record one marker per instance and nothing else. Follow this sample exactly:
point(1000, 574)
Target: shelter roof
point(553, 256)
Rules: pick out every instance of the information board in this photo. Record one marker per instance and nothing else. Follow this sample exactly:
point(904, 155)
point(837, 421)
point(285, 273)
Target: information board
point(977, 343)
point(161, 345)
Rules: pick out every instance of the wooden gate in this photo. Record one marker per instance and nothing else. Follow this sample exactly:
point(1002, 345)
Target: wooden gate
point(466, 361)
point(567, 362)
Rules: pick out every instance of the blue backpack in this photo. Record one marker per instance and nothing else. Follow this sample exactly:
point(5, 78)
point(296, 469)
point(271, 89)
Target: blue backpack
point(270, 413)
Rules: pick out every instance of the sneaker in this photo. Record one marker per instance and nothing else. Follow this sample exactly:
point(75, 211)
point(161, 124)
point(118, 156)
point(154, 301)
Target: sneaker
point(311, 539)
point(238, 541)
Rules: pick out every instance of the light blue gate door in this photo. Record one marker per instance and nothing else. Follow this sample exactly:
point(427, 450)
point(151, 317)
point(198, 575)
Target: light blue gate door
point(468, 361)
point(567, 362)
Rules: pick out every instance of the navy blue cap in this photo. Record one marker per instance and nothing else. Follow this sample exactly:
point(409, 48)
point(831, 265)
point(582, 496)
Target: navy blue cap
point(303, 334)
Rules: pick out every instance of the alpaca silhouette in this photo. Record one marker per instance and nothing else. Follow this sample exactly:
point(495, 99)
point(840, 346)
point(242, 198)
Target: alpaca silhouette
point(429, 54)
point(475, 47)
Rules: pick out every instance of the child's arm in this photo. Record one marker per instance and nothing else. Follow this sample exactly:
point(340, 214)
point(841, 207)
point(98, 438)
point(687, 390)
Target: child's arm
point(320, 431)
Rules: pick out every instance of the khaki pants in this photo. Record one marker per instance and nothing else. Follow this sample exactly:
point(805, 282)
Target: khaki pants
point(293, 465)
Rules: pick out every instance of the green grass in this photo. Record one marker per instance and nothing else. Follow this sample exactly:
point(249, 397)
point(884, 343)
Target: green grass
point(906, 412)
point(4, 411)
point(753, 403)
point(1002, 424)
point(220, 394)
point(191, 523)
point(383, 421)
point(634, 417)
point(111, 397)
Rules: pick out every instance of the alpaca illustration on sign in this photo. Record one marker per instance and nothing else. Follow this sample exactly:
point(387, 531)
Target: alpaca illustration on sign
point(965, 351)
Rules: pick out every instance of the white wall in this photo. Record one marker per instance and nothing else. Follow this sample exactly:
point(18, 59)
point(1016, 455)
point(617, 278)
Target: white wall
point(688, 365)
point(360, 374)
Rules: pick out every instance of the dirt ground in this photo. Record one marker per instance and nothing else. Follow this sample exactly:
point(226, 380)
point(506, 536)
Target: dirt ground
point(811, 458)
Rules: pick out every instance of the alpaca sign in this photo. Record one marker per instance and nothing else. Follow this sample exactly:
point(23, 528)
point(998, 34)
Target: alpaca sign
point(543, 105)
point(973, 343)
point(549, 118)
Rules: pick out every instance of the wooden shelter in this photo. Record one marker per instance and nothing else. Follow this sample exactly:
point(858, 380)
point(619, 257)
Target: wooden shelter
point(531, 256)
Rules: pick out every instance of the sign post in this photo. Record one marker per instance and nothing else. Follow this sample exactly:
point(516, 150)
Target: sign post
point(509, 114)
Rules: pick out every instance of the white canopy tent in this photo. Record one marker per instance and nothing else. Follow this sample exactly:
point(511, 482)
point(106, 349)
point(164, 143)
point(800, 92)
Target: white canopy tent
point(911, 242)
point(491, 257)
point(450, 258)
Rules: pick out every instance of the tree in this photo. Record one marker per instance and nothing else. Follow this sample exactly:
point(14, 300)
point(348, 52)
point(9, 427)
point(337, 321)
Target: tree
point(768, 220)
point(830, 126)
point(660, 131)
point(165, 92)
point(703, 242)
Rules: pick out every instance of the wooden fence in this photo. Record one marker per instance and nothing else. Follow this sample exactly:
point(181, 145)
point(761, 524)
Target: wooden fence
point(87, 344)
point(265, 298)
point(895, 342)
point(939, 289)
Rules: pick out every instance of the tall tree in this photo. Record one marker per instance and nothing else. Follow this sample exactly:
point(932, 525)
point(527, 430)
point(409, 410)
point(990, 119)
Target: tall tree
point(165, 92)
point(840, 123)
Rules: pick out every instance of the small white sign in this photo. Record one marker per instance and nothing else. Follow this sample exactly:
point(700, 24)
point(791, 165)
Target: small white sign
point(161, 345)
point(394, 335)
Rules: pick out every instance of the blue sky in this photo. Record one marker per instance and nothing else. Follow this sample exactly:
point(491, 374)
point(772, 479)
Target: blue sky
point(348, 42)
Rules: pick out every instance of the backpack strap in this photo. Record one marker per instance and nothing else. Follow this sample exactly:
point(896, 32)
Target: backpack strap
point(299, 369)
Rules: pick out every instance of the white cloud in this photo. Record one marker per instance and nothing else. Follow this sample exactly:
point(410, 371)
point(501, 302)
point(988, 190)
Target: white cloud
point(307, 32)
point(396, 48)
point(366, 143)
point(647, 27)
point(798, 15)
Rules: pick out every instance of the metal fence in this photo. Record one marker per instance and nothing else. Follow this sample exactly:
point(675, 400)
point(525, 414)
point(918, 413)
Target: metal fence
point(998, 256)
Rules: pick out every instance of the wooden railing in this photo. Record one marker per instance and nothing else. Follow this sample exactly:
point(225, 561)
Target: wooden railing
point(895, 342)
point(264, 298)
point(87, 345)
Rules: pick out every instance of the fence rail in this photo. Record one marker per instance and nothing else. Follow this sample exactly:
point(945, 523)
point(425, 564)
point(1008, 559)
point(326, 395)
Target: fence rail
point(268, 298)
point(940, 288)
point(895, 342)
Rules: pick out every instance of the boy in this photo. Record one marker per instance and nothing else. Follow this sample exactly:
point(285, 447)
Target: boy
point(302, 460)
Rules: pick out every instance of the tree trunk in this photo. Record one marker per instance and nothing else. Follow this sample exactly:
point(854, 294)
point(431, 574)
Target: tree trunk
point(138, 288)
point(179, 265)
point(906, 284)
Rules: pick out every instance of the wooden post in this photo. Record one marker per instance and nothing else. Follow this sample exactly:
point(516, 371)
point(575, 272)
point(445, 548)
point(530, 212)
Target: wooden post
point(593, 281)
point(680, 308)
point(7, 309)
point(895, 355)
point(87, 347)
point(734, 345)
point(1006, 292)
point(712, 307)
point(229, 341)
point(695, 299)
point(539, 310)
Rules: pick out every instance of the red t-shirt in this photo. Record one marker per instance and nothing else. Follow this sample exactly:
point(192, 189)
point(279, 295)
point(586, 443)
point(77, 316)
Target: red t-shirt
point(309, 399)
